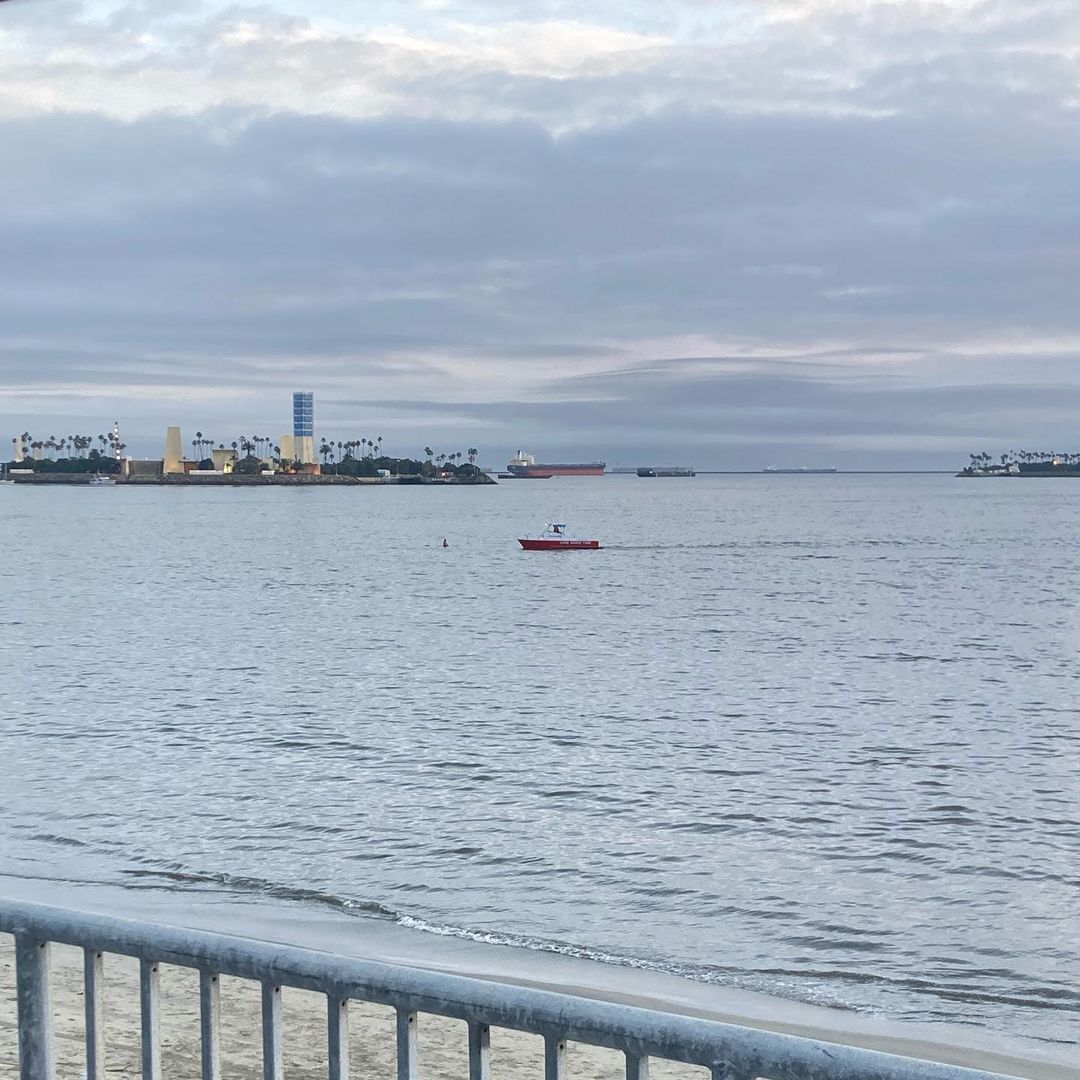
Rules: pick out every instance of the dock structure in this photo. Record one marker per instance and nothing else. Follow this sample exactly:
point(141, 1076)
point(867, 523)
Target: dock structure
point(728, 1051)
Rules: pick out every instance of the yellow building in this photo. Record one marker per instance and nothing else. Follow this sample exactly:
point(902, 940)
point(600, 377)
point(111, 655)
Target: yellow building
point(224, 459)
point(298, 448)
point(174, 452)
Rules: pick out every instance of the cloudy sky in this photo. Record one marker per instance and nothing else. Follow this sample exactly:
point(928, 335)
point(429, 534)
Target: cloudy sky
point(725, 232)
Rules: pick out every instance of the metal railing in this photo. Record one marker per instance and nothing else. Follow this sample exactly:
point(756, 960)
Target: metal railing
point(728, 1051)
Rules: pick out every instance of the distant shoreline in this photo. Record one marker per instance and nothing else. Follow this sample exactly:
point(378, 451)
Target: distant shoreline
point(1069, 474)
point(239, 480)
point(839, 472)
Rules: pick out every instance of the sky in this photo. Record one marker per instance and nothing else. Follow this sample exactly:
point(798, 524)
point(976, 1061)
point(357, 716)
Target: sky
point(729, 234)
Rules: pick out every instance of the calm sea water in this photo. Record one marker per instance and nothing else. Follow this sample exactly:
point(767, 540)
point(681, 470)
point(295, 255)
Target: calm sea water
point(816, 736)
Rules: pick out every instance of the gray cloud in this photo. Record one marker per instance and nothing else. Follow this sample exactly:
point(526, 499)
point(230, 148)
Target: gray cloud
point(872, 238)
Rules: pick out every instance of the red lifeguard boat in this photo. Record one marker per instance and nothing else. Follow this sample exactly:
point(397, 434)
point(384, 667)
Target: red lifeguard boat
point(554, 538)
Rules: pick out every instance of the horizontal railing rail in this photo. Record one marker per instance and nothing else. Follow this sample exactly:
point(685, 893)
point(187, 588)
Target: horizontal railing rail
point(730, 1052)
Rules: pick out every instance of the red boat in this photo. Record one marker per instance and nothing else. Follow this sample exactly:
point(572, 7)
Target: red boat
point(554, 538)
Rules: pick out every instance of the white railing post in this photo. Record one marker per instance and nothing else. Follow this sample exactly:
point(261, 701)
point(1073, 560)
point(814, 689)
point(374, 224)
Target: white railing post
point(150, 1008)
point(406, 1045)
point(35, 1008)
point(479, 1051)
point(637, 1068)
point(210, 1024)
point(337, 1030)
point(554, 1059)
point(273, 1054)
point(93, 990)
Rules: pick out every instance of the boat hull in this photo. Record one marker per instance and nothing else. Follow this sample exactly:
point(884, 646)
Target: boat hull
point(554, 544)
point(545, 472)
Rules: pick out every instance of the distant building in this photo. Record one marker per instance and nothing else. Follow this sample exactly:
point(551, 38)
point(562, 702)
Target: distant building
point(301, 445)
point(224, 459)
point(303, 409)
point(144, 466)
point(174, 452)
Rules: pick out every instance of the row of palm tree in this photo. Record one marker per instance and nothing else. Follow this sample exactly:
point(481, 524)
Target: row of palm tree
point(1024, 457)
point(344, 450)
point(67, 446)
point(260, 446)
point(247, 446)
point(450, 459)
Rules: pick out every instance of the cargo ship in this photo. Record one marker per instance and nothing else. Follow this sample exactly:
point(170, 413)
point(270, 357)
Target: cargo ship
point(804, 471)
point(666, 470)
point(526, 467)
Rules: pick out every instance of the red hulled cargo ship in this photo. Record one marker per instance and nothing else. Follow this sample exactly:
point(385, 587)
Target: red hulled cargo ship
point(525, 466)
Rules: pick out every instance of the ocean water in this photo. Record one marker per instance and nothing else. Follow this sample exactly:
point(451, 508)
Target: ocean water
point(813, 736)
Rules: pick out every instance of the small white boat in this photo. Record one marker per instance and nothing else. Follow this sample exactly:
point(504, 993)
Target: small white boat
point(97, 480)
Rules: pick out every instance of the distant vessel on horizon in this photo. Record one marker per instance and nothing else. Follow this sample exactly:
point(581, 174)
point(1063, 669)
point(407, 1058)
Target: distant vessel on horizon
point(666, 470)
point(525, 467)
point(801, 471)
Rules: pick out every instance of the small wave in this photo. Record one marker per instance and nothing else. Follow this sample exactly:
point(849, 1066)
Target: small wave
point(63, 841)
point(795, 983)
point(715, 976)
point(239, 883)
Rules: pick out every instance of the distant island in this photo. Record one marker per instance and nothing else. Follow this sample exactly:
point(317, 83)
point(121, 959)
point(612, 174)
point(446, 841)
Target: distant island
point(244, 462)
point(1022, 463)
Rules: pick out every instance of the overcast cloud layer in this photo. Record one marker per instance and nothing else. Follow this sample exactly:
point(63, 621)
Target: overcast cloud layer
point(732, 234)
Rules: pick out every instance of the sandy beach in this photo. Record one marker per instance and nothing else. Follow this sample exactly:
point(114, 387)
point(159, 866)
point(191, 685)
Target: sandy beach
point(443, 1042)
point(443, 1045)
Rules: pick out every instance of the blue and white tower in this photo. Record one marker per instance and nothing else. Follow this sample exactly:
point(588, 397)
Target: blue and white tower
point(301, 445)
point(303, 412)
